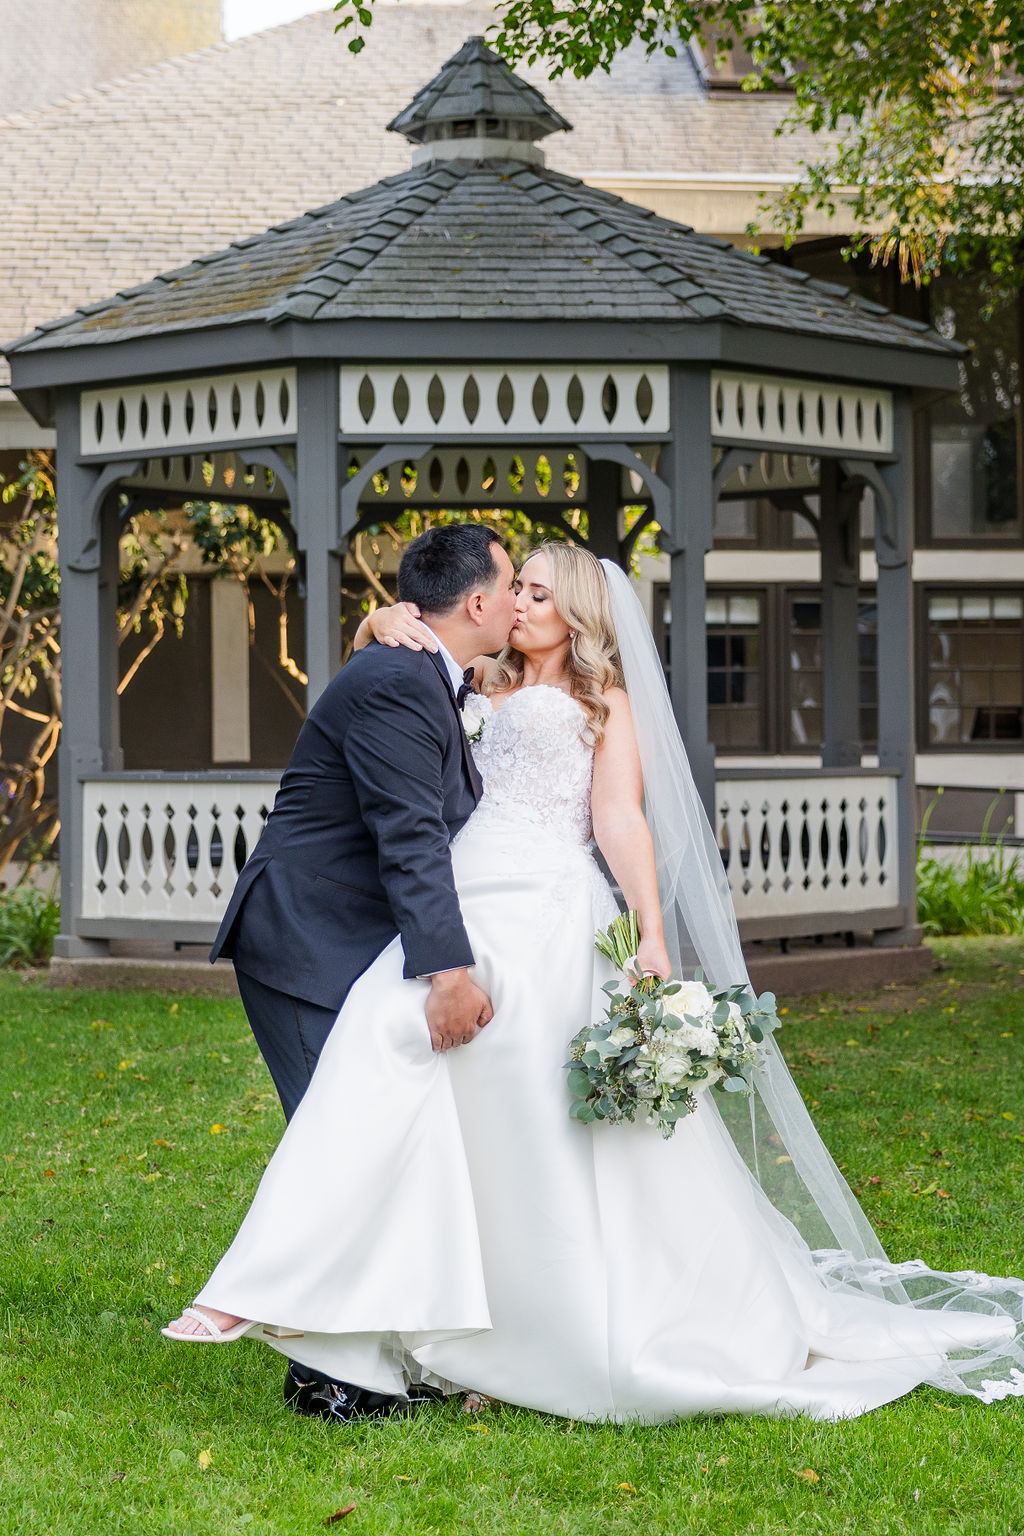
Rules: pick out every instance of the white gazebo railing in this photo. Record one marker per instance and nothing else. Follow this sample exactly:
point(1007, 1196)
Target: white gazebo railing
point(803, 846)
point(164, 849)
point(806, 851)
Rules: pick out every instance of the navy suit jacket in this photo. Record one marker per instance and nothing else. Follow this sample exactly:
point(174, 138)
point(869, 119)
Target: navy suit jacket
point(355, 849)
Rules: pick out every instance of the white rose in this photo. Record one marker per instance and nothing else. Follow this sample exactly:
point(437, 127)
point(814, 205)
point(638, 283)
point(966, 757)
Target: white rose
point(714, 1075)
point(474, 713)
point(695, 1037)
point(674, 1069)
point(622, 1036)
point(693, 998)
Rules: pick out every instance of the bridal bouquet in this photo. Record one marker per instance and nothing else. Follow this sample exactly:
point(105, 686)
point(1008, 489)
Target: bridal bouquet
point(662, 1042)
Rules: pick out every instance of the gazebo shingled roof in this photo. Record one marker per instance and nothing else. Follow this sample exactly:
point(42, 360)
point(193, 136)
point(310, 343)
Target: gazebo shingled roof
point(486, 239)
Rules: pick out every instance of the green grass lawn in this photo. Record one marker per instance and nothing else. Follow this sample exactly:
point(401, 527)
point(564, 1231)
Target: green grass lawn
point(134, 1130)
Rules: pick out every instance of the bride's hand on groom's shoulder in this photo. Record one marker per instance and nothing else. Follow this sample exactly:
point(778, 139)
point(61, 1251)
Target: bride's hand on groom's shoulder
point(456, 1009)
point(400, 625)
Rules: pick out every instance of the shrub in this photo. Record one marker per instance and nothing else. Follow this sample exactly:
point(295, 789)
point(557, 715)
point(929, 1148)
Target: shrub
point(29, 921)
point(984, 894)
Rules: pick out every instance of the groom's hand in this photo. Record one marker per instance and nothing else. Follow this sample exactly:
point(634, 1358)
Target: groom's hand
point(456, 1009)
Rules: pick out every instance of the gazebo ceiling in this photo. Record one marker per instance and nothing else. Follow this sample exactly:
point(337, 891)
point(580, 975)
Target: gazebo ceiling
point(484, 239)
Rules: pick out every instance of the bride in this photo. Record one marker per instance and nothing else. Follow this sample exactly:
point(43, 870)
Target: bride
point(480, 1240)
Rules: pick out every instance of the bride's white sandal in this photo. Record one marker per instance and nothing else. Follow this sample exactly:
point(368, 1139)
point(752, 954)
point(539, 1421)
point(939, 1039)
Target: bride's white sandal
point(209, 1333)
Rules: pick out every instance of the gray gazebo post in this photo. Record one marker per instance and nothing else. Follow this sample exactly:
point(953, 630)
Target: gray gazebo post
point(318, 469)
point(688, 541)
point(90, 735)
point(896, 729)
point(839, 541)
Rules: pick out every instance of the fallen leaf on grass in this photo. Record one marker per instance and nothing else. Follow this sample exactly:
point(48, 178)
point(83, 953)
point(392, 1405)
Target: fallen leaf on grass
point(339, 1514)
point(215, 1130)
point(807, 1475)
point(626, 1487)
point(205, 1459)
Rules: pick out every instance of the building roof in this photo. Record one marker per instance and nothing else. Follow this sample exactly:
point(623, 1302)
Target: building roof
point(474, 238)
point(137, 175)
point(476, 82)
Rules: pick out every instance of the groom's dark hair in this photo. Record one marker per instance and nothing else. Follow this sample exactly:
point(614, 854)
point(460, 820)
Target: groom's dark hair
point(444, 565)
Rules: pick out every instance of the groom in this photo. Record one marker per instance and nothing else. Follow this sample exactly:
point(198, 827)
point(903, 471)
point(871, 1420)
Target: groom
point(355, 850)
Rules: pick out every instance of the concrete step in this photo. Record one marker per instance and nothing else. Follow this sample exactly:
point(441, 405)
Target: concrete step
point(803, 972)
point(147, 973)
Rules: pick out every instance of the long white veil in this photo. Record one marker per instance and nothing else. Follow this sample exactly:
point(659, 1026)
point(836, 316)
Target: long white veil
point(807, 1201)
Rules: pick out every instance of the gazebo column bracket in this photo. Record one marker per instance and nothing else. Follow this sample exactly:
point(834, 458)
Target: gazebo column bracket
point(659, 491)
point(353, 487)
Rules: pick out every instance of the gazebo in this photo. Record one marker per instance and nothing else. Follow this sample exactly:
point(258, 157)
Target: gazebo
point(482, 331)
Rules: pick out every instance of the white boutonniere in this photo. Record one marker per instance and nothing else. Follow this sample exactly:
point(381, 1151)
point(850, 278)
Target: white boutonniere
point(473, 716)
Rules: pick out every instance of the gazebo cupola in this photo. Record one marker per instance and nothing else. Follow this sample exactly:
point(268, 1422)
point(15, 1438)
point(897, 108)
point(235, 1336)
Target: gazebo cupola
point(477, 108)
point(481, 331)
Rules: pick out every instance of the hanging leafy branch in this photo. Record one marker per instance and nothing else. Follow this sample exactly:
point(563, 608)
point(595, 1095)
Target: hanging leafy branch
point(916, 105)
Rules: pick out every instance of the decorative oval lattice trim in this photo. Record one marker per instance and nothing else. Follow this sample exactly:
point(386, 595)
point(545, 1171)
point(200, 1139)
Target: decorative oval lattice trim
point(500, 400)
point(800, 413)
point(481, 477)
point(177, 413)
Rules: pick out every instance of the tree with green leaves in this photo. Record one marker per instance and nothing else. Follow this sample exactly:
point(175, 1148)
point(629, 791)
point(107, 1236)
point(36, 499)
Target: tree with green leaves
point(233, 542)
point(917, 105)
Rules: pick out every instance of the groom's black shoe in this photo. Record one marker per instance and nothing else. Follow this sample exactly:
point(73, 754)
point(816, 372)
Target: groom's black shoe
point(342, 1403)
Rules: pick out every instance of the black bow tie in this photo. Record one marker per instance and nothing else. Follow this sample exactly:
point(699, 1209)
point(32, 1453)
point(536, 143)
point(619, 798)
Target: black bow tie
point(466, 687)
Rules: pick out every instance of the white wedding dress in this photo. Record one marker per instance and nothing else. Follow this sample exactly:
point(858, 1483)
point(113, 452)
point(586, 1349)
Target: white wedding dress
point(439, 1217)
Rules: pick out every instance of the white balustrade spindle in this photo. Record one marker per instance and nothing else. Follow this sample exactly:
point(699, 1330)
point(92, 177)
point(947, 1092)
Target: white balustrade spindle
point(808, 844)
point(165, 848)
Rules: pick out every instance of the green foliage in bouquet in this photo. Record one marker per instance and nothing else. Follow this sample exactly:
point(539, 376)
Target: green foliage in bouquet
point(662, 1043)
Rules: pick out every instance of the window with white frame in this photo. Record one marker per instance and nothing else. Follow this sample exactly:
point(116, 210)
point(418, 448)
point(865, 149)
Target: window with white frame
point(974, 683)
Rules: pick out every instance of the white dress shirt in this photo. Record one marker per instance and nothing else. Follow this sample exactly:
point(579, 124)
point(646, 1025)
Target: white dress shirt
point(452, 667)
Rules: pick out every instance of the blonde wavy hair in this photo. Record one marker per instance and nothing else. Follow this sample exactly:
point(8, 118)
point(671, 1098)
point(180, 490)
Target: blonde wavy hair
point(579, 591)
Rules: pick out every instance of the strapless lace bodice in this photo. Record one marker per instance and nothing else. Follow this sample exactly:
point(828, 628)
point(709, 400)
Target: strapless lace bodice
point(535, 762)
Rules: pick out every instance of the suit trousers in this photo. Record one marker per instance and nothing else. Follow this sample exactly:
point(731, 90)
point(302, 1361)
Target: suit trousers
point(290, 1033)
